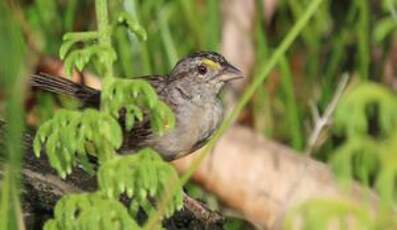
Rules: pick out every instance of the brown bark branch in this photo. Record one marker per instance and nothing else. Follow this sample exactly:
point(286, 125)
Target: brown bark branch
point(262, 180)
point(42, 188)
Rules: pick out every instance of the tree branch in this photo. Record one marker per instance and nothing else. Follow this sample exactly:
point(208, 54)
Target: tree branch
point(262, 180)
point(43, 188)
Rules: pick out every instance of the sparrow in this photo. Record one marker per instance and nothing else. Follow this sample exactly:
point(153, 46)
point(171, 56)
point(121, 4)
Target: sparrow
point(191, 90)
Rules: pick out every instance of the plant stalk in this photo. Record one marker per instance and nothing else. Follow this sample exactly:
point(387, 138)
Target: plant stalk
point(104, 33)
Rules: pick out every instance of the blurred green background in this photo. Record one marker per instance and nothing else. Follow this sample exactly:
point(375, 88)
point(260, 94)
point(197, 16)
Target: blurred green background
point(357, 37)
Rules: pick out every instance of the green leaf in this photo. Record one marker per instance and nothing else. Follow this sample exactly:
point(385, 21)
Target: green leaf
point(132, 24)
point(69, 66)
point(150, 94)
point(72, 132)
point(65, 48)
point(37, 147)
point(383, 28)
point(91, 211)
point(140, 175)
point(80, 36)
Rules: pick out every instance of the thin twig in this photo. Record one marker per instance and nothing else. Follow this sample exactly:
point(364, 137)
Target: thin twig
point(201, 211)
point(320, 124)
point(325, 120)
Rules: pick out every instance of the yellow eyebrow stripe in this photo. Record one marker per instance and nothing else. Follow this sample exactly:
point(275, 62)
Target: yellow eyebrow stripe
point(211, 64)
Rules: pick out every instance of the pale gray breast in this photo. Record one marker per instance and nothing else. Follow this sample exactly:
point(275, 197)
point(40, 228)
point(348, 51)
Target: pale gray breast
point(196, 120)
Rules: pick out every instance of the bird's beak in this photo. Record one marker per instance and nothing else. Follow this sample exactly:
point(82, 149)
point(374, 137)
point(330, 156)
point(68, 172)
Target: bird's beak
point(229, 73)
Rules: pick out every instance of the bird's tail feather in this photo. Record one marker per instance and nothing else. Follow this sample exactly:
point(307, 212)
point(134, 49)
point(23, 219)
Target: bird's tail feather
point(59, 85)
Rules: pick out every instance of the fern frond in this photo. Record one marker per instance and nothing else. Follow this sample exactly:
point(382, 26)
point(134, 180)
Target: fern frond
point(69, 135)
point(90, 211)
point(365, 155)
point(136, 97)
point(142, 176)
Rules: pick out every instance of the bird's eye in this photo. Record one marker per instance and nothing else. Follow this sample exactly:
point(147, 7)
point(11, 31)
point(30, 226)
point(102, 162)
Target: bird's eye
point(202, 69)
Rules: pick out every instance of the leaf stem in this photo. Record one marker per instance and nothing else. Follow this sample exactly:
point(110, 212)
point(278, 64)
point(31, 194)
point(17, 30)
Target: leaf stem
point(104, 31)
point(363, 38)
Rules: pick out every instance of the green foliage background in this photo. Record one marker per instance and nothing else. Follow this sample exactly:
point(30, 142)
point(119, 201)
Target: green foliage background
point(12, 73)
point(340, 37)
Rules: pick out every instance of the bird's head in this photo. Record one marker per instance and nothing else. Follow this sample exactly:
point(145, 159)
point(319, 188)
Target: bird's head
point(207, 69)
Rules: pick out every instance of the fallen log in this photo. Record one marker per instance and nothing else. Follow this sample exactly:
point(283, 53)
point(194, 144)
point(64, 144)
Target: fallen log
point(261, 180)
